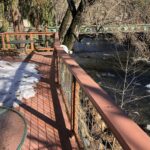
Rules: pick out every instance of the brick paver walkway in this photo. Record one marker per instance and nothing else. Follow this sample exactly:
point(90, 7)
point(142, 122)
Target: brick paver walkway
point(48, 125)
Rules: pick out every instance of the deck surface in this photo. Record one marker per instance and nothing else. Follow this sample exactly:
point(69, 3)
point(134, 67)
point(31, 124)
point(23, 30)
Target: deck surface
point(48, 125)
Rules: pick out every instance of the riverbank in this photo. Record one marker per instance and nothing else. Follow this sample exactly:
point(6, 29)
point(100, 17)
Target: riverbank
point(126, 81)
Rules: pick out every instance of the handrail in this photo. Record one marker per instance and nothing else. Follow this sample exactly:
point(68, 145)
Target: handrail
point(126, 131)
point(26, 33)
point(6, 39)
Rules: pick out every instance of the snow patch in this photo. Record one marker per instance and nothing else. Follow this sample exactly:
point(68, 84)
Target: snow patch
point(147, 86)
point(98, 75)
point(17, 82)
point(148, 127)
point(108, 74)
point(137, 84)
point(66, 49)
point(105, 54)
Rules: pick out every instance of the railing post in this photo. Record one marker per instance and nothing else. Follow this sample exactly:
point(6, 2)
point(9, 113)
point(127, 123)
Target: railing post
point(75, 104)
point(74, 111)
point(8, 41)
point(58, 69)
point(3, 41)
point(32, 43)
point(56, 40)
point(46, 36)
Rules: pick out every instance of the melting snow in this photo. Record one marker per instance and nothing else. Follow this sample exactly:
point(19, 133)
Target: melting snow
point(108, 74)
point(148, 127)
point(148, 86)
point(17, 81)
point(137, 84)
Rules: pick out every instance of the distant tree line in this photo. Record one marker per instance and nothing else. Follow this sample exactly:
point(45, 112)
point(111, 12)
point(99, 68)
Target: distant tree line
point(101, 13)
point(38, 12)
point(71, 14)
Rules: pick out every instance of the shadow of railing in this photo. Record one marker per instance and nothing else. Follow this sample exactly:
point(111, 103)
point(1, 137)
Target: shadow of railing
point(63, 132)
point(59, 124)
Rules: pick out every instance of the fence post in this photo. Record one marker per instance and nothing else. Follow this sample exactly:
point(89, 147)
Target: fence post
point(3, 41)
point(32, 43)
point(46, 36)
point(75, 111)
point(8, 41)
point(75, 104)
point(58, 70)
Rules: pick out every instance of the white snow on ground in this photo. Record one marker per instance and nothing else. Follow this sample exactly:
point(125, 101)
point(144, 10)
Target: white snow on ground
point(108, 74)
point(17, 81)
point(98, 75)
point(148, 86)
point(148, 127)
point(137, 84)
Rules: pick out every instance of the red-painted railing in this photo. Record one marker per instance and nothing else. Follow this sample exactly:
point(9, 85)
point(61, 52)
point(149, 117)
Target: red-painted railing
point(97, 122)
point(9, 39)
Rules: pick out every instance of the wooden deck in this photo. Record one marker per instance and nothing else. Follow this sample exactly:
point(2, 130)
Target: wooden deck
point(48, 125)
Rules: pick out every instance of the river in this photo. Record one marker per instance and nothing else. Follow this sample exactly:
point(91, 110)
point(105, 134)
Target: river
point(128, 84)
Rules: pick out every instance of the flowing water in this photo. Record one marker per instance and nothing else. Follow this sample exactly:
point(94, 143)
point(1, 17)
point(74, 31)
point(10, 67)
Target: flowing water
point(103, 60)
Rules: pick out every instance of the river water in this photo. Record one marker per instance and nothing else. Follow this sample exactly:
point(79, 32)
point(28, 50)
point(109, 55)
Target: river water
point(105, 61)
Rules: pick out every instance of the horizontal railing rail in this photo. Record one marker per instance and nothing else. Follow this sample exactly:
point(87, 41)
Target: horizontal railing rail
point(97, 122)
point(28, 33)
point(9, 40)
point(115, 28)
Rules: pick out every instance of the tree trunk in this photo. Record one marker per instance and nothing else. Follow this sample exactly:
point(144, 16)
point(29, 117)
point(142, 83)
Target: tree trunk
point(72, 31)
point(17, 20)
point(65, 24)
point(66, 21)
point(18, 25)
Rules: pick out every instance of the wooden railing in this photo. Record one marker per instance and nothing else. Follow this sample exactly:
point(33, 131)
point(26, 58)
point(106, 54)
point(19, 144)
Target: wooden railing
point(9, 40)
point(97, 122)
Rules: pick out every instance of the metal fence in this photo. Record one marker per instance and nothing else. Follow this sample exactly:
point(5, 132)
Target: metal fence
point(65, 79)
point(97, 122)
point(91, 130)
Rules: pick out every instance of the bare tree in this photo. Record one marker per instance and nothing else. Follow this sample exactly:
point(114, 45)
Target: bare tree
point(68, 18)
point(73, 30)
